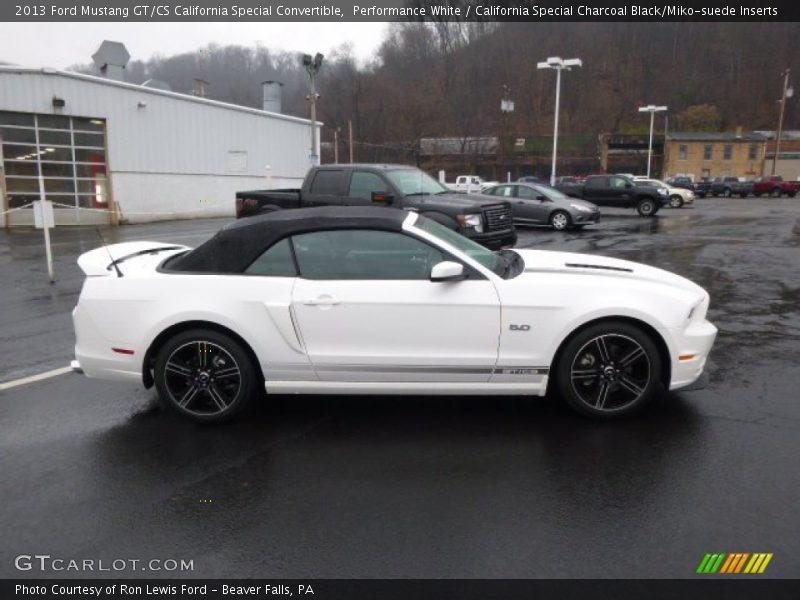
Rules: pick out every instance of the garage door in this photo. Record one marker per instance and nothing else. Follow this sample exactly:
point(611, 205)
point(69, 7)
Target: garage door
point(70, 155)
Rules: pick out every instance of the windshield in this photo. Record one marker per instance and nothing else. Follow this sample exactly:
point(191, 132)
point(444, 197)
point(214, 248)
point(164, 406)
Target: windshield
point(504, 263)
point(414, 181)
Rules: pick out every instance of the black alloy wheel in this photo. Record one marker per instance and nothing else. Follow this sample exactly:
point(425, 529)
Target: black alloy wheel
point(609, 370)
point(205, 375)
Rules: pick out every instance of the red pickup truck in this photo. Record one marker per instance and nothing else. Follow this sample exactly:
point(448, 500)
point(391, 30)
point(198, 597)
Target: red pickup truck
point(775, 186)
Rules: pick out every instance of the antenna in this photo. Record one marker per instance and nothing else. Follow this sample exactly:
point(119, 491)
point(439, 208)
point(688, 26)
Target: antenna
point(113, 262)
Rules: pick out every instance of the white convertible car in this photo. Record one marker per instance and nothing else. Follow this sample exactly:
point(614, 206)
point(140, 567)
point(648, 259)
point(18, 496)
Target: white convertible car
point(382, 301)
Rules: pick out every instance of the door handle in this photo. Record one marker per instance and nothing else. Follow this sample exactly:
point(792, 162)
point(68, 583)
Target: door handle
point(322, 301)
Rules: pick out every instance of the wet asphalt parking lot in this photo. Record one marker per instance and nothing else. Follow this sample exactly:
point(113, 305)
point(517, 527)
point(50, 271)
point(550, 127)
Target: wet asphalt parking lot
point(420, 487)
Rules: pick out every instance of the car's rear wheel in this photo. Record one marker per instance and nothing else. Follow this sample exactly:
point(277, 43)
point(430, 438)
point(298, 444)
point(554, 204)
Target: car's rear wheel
point(727, 192)
point(205, 375)
point(609, 370)
point(646, 207)
point(559, 220)
point(776, 193)
point(675, 201)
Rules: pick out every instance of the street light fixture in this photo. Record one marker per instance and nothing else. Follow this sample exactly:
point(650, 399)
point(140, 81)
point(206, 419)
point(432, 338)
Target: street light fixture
point(312, 65)
point(652, 109)
point(559, 64)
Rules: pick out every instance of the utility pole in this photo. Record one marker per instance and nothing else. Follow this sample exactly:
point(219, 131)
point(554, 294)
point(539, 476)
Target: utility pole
point(787, 93)
point(336, 145)
point(350, 136)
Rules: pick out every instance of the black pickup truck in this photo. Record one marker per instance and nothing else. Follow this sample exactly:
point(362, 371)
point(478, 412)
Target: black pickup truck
point(620, 191)
point(487, 221)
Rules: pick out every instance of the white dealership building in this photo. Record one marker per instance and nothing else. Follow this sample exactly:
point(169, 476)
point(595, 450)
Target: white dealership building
point(108, 151)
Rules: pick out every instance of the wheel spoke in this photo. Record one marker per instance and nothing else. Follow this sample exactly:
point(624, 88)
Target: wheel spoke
point(602, 394)
point(227, 372)
point(179, 369)
point(631, 357)
point(585, 373)
point(630, 385)
point(217, 397)
point(188, 396)
point(600, 342)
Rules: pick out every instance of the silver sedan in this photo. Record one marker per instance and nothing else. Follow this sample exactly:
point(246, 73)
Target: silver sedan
point(534, 204)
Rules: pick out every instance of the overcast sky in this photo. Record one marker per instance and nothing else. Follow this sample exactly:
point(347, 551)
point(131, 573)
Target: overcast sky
point(63, 44)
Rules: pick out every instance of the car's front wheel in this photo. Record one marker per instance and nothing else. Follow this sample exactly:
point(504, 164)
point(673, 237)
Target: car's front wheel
point(205, 375)
point(609, 370)
point(675, 201)
point(559, 220)
point(646, 207)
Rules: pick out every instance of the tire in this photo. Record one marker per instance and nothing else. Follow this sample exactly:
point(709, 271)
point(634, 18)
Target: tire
point(675, 201)
point(702, 195)
point(609, 370)
point(646, 207)
point(756, 195)
point(726, 193)
point(743, 195)
point(560, 220)
point(205, 375)
point(791, 194)
point(776, 193)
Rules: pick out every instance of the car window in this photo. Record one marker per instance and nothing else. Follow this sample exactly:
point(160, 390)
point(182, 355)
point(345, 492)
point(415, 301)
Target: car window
point(327, 181)
point(362, 184)
point(276, 261)
point(597, 182)
point(363, 254)
point(506, 191)
point(617, 182)
point(523, 191)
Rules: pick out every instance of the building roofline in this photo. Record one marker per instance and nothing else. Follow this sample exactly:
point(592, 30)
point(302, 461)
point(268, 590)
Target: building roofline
point(716, 136)
point(148, 90)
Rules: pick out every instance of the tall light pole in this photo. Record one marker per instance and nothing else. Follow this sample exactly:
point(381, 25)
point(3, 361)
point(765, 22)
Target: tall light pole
point(312, 65)
point(787, 93)
point(506, 108)
point(559, 64)
point(652, 109)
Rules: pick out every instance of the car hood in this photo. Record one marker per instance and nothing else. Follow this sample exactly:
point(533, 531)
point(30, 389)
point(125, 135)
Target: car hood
point(547, 261)
point(461, 201)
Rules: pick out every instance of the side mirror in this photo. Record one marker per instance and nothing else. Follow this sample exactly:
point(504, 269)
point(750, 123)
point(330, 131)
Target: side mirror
point(447, 271)
point(382, 197)
point(628, 185)
point(541, 198)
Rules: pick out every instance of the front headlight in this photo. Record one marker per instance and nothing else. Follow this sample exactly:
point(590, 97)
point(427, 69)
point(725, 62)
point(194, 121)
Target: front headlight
point(581, 208)
point(663, 191)
point(473, 221)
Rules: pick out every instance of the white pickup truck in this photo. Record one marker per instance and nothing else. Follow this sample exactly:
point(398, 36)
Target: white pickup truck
point(470, 183)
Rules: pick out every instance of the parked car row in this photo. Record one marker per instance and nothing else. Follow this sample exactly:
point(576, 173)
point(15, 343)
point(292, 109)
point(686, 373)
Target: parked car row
point(727, 186)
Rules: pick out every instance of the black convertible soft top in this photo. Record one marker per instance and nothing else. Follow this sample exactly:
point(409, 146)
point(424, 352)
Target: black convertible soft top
point(238, 244)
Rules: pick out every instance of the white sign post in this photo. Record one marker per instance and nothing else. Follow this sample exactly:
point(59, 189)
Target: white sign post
point(44, 218)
